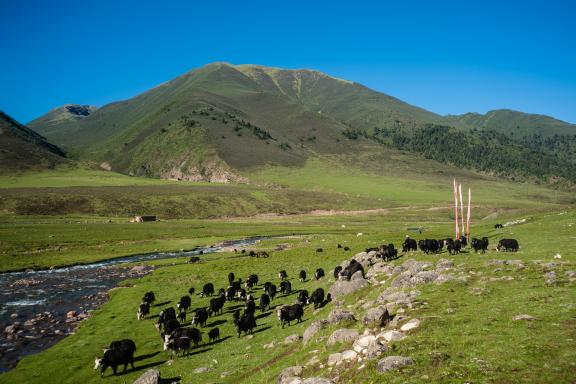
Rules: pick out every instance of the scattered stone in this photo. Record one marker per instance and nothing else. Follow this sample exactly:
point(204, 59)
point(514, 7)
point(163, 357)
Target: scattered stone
point(376, 317)
point(313, 361)
point(313, 329)
point(343, 288)
point(151, 376)
point(414, 323)
point(375, 350)
point(291, 339)
point(349, 355)
point(550, 278)
point(393, 362)
point(317, 380)
point(392, 335)
point(71, 314)
point(334, 359)
point(363, 342)
point(270, 345)
point(203, 369)
point(14, 316)
point(444, 264)
point(523, 317)
point(340, 315)
point(343, 336)
point(289, 373)
point(358, 275)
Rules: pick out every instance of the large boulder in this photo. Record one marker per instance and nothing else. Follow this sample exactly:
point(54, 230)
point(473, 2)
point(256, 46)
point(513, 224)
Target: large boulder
point(343, 335)
point(340, 315)
point(375, 350)
point(313, 329)
point(393, 362)
point(342, 288)
point(392, 336)
point(151, 376)
point(411, 324)
point(376, 317)
point(289, 374)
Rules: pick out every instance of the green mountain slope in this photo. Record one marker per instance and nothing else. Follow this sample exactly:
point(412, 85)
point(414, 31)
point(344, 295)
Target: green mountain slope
point(219, 121)
point(21, 148)
point(514, 123)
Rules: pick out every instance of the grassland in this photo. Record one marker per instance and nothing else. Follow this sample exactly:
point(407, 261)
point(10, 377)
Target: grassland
point(465, 336)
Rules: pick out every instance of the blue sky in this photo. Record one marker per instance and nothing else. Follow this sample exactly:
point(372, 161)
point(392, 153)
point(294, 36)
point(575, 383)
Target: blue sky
point(449, 57)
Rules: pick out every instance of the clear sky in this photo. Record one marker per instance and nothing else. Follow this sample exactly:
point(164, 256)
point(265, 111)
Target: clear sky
point(449, 57)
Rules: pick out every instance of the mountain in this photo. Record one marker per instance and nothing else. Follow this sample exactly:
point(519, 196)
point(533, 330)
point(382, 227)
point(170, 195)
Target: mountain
point(513, 123)
point(215, 122)
point(21, 148)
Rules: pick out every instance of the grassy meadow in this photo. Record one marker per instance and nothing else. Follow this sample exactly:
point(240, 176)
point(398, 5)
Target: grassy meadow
point(466, 335)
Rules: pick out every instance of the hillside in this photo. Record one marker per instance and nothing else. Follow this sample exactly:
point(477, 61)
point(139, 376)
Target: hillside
point(21, 148)
point(514, 123)
point(219, 122)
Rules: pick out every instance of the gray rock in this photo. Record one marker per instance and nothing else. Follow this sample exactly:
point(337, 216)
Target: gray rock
point(357, 276)
point(444, 264)
point(414, 323)
point(334, 359)
point(393, 362)
point(343, 288)
point(523, 317)
point(317, 380)
point(291, 339)
point(550, 278)
point(151, 376)
point(289, 373)
point(202, 369)
point(343, 335)
point(375, 350)
point(376, 317)
point(416, 266)
point(340, 315)
point(313, 329)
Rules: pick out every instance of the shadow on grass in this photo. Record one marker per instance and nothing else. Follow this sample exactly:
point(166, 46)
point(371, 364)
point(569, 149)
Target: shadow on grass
point(139, 368)
point(144, 357)
point(170, 380)
point(263, 315)
point(162, 303)
point(261, 329)
point(217, 322)
point(221, 340)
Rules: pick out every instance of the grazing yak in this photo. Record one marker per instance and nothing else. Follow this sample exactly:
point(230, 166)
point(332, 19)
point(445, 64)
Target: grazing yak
point(496, 226)
point(319, 274)
point(250, 307)
point(508, 245)
point(193, 334)
point(387, 252)
point(200, 317)
point(409, 245)
point(120, 352)
point(180, 344)
point(282, 275)
point(480, 244)
point(251, 281)
point(302, 276)
point(453, 246)
point(317, 298)
point(302, 298)
point(264, 302)
point(149, 298)
point(245, 323)
point(288, 313)
point(429, 246)
point(143, 310)
point(337, 271)
point(193, 260)
point(214, 334)
point(184, 304)
point(216, 305)
point(285, 287)
point(319, 250)
point(351, 269)
point(271, 291)
point(208, 289)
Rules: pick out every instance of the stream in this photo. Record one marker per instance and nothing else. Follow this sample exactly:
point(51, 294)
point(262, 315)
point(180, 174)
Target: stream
point(39, 308)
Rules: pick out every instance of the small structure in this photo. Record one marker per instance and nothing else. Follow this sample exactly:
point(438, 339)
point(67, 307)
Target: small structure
point(141, 219)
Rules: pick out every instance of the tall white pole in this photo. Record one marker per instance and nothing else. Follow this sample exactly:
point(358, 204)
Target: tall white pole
point(456, 210)
point(461, 208)
point(468, 215)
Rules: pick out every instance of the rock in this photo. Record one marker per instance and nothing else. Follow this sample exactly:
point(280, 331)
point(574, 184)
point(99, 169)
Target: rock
point(71, 314)
point(343, 336)
point(340, 315)
point(393, 362)
point(349, 355)
point(289, 373)
point(313, 329)
point(523, 317)
point(363, 342)
point(151, 376)
point(375, 350)
point(14, 316)
point(392, 335)
point(317, 380)
point(416, 266)
point(550, 278)
point(376, 317)
point(270, 345)
point(334, 359)
point(202, 370)
point(313, 361)
point(382, 268)
point(291, 339)
point(414, 323)
point(424, 277)
point(444, 264)
point(444, 277)
point(358, 275)
point(343, 288)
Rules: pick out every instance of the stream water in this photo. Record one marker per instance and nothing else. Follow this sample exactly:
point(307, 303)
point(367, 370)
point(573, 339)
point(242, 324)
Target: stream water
point(39, 308)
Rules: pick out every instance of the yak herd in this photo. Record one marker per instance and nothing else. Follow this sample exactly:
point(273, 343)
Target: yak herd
point(179, 339)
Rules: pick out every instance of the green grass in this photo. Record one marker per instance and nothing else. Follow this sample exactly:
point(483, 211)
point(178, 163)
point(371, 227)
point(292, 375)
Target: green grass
point(477, 334)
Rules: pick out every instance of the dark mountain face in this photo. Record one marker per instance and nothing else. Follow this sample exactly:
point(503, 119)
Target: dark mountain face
point(22, 148)
point(216, 121)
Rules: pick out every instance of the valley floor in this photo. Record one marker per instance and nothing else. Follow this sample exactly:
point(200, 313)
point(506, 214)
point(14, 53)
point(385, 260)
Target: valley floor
point(466, 333)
